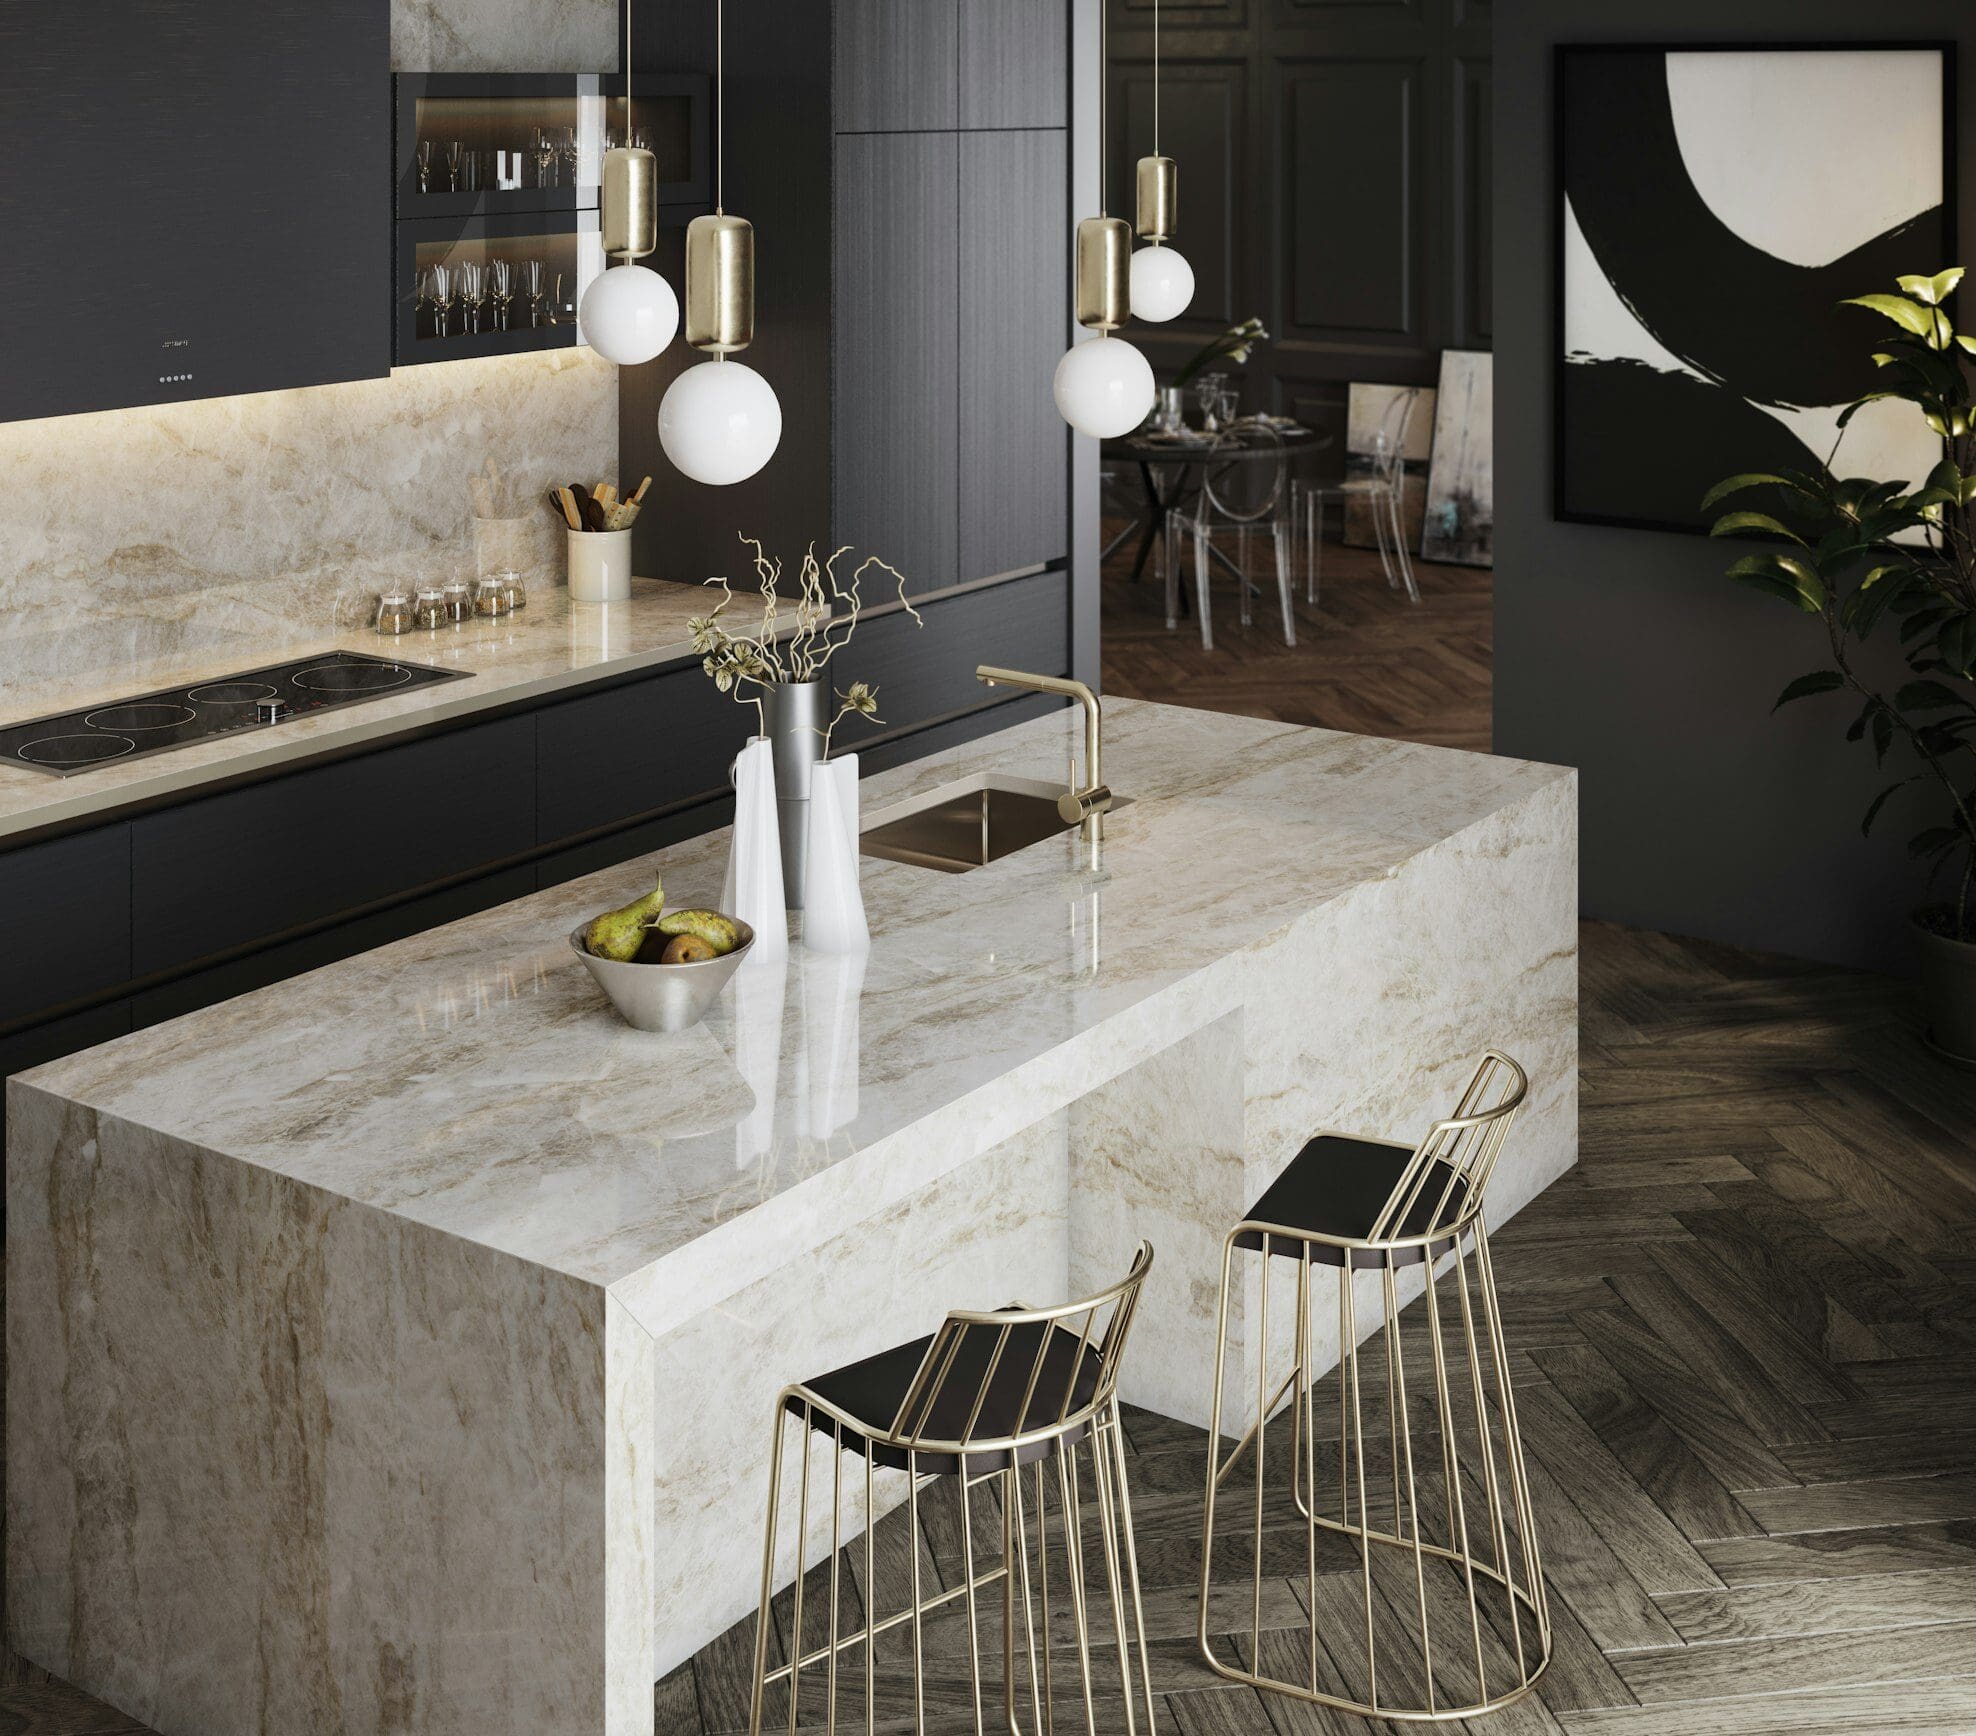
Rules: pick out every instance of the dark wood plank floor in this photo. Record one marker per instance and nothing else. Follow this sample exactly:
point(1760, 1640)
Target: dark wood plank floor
point(1366, 660)
point(1746, 1331)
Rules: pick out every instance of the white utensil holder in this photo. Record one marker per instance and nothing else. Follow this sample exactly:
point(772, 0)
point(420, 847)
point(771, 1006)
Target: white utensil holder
point(833, 905)
point(599, 565)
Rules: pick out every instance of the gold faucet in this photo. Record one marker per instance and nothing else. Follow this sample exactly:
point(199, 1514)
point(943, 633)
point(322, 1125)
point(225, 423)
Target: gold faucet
point(1083, 807)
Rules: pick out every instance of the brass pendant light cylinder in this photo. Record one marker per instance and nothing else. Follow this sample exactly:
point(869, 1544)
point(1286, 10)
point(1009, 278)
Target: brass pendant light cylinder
point(629, 197)
point(720, 283)
point(1104, 272)
point(1159, 198)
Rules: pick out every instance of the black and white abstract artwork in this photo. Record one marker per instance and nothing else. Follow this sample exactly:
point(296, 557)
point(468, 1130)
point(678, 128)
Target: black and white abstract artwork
point(1717, 204)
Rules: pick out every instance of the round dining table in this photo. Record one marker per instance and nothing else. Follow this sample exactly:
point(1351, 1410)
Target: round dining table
point(1181, 461)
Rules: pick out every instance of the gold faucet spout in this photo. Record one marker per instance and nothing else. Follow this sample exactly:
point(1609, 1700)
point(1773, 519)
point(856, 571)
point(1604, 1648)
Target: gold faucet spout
point(1085, 807)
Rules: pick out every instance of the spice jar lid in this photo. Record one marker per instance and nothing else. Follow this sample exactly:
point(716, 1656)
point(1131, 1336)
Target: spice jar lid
point(385, 597)
point(454, 587)
point(430, 593)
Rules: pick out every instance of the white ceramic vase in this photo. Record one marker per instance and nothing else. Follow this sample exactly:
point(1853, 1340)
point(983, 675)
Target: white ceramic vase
point(753, 888)
point(833, 907)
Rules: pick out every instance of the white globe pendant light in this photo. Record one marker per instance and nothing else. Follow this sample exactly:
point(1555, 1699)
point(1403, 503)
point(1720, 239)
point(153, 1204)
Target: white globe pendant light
point(720, 422)
point(629, 313)
point(1162, 284)
point(1104, 387)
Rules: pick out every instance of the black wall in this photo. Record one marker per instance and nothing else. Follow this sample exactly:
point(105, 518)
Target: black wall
point(1626, 653)
point(1334, 179)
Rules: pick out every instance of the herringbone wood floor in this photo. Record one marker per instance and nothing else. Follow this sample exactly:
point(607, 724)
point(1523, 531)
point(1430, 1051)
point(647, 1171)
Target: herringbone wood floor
point(1366, 660)
point(1745, 1331)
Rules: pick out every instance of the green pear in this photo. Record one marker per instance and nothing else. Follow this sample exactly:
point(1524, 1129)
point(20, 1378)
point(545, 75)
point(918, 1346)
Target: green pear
point(619, 933)
point(716, 930)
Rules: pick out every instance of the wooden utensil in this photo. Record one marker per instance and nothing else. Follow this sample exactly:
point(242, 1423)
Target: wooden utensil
point(638, 499)
point(593, 513)
point(571, 516)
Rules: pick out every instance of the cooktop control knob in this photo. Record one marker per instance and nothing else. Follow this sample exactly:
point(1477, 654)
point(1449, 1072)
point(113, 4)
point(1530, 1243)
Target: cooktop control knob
point(271, 710)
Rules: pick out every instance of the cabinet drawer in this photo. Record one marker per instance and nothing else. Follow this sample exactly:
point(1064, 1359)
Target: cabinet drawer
point(232, 869)
point(67, 922)
point(610, 757)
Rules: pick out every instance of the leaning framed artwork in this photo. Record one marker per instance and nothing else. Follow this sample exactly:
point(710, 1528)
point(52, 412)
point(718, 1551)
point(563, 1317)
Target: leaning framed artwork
point(1715, 205)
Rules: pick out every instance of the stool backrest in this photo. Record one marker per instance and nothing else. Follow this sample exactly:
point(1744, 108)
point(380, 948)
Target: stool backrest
point(1451, 1167)
point(1058, 1365)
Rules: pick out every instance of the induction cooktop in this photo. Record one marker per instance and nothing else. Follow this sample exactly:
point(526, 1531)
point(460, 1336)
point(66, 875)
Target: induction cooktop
point(72, 742)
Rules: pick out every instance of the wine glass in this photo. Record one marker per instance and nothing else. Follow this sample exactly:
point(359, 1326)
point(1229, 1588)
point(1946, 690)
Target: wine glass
point(567, 146)
point(425, 165)
point(454, 151)
point(545, 158)
point(473, 293)
point(440, 294)
point(1207, 394)
point(531, 283)
point(501, 283)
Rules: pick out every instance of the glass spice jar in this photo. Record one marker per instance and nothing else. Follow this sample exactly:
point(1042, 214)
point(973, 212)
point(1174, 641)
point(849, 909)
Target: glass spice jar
point(490, 597)
point(517, 591)
point(429, 607)
point(394, 612)
point(458, 600)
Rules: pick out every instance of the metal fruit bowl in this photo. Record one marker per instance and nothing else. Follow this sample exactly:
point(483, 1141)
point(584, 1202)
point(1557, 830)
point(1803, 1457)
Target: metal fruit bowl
point(663, 997)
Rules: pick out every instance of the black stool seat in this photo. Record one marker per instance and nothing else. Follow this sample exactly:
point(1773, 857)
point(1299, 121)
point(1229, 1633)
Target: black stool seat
point(873, 1390)
point(1336, 1186)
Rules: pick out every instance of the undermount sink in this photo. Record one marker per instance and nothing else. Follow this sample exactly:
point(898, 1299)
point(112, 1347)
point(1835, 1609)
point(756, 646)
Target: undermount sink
point(969, 824)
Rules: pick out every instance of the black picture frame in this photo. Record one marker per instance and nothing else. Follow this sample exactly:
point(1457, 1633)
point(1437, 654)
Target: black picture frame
point(1563, 56)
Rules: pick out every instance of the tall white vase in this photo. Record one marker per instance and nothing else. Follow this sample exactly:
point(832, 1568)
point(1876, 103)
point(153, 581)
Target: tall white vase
point(833, 907)
point(753, 888)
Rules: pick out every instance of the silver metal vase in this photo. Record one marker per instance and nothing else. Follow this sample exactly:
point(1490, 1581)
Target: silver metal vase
point(794, 713)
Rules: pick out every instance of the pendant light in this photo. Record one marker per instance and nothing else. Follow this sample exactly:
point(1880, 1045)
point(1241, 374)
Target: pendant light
point(628, 315)
point(1162, 281)
point(720, 421)
point(1103, 386)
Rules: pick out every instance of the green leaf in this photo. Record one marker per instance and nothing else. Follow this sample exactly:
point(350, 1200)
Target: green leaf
point(1924, 696)
point(1858, 404)
point(1818, 681)
point(1904, 313)
point(1932, 289)
point(1747, 523)
point(1782, 576)
point(1751, 479)
point(1880, 801)
point(1957, 644)
point(1967, 342)
point(1881, 587)
point(1945, 282)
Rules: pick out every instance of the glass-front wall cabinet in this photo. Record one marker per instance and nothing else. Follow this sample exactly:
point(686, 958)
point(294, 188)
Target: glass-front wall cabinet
point(497, 198)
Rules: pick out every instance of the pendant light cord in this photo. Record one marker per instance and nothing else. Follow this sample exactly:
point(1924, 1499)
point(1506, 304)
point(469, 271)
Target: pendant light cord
point(720, 120)
point(1104, 64)
point(1156, 77)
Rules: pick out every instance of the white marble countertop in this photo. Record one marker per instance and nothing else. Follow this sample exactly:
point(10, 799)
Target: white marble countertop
point(550, 645)
point(474, 1080)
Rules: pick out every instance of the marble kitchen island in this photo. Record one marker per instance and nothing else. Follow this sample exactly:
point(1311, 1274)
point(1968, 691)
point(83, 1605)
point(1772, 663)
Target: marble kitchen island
point(394, 1348)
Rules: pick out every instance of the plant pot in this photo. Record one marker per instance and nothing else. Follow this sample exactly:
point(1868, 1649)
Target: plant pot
point(1948, 990)
point(793, 715)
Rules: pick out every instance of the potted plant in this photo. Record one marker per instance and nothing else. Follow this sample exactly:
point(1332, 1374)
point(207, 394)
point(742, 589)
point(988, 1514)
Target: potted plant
point(1904, 551)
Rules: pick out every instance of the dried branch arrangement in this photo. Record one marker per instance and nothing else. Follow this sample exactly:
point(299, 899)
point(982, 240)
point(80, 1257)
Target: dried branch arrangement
point(826, 608)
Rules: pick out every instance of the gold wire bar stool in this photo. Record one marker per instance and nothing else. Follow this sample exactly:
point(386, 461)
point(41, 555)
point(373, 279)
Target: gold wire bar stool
point(1429, 1606)
point(984, 1400)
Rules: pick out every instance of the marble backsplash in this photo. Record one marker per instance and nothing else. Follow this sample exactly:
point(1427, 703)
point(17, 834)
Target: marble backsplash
point(131, 536)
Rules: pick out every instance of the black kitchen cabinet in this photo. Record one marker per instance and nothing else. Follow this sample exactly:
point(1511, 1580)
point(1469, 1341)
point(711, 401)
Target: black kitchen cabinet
point(632, 751)
point(895, 404)
point(1012, 330)
point(1014, 63)
point(196, 202)
point(252, 864)
point(65, 913)
point(897, 64)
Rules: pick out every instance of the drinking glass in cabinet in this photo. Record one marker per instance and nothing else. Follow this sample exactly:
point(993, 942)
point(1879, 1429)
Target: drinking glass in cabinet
point(545, 158)
point(454, 152)
point(425, 165)
point(501, 287)
point(473, 294)
point(440, 293)
point(534, 287)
